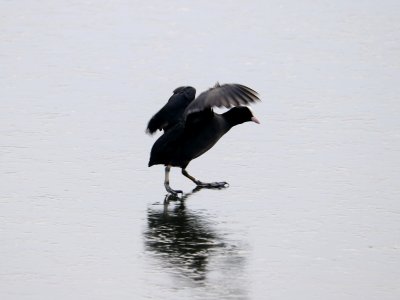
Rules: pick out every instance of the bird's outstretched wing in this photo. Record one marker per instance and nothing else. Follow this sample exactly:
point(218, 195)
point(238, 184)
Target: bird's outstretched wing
point(226, 95)
point(172, 112)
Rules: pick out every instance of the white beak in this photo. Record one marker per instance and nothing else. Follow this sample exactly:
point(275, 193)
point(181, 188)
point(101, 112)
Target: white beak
point(255, 120)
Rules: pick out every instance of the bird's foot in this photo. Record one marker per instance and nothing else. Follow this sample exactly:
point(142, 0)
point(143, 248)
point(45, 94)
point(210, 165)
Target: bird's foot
point(171, 197)
point(212, 185)
point(173, 192)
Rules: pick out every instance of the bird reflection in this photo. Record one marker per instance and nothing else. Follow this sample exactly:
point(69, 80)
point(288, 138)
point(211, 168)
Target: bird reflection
point(184, 239)
point(185, 242)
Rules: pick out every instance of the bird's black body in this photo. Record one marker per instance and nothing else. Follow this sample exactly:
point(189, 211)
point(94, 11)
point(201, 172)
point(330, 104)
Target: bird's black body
point(191, 127)
point(186, 141)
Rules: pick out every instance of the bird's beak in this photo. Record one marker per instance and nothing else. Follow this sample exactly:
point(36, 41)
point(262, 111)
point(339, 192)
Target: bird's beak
point(255, 120)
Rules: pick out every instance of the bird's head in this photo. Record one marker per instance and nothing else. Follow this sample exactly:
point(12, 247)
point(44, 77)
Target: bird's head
point(241, 114)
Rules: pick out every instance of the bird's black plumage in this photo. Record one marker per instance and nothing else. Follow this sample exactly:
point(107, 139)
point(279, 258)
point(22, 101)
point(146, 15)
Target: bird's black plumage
point(191, 127)
point(172, 112)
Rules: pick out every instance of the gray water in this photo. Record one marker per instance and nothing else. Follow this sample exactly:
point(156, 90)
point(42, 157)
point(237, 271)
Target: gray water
point(312, 211)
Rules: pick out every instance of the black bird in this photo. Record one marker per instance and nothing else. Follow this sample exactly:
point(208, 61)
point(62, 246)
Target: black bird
point(191, 127)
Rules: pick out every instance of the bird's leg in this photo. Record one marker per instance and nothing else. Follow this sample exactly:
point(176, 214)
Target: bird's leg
point(166, 183)
point(204, 184)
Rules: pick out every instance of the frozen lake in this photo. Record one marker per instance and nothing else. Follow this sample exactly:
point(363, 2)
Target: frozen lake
point(312, 211)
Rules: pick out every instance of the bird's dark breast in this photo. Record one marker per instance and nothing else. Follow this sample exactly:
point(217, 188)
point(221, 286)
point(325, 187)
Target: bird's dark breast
point(201, 141)
point(177, 147)
point(202, 138)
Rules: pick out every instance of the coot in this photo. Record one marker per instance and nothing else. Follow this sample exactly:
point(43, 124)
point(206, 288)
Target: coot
point(191, 127)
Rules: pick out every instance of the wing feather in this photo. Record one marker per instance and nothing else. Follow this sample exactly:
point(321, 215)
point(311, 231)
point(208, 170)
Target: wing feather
point(172, 112)
point(226, 95)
